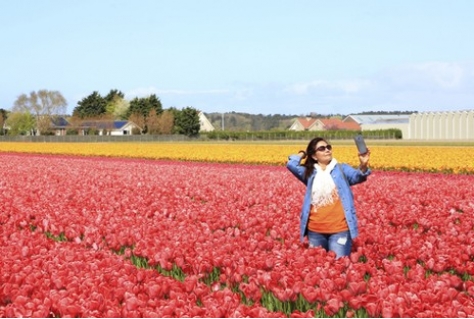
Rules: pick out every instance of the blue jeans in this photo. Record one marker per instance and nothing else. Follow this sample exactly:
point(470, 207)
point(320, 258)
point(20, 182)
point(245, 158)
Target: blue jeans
point(340, 243)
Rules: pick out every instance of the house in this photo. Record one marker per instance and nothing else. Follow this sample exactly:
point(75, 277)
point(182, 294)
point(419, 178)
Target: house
point(206, 125)
point(107, 127)
point(338, 124)
point(371, 122)
point(314, 124)
point(124, 128)
point(59, 125)
point(302, 124)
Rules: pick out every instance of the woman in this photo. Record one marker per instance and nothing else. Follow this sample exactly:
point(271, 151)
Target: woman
point(328, 215)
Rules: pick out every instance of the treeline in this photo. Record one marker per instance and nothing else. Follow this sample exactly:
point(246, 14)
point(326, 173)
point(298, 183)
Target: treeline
point(147, 112)
point(244, 122)
point(386, 113)
point(40, 113)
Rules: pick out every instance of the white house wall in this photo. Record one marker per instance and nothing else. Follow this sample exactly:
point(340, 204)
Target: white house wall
point(470, 125)
point(128, 128)
point(317, 126)
point(296, 126)
point(442, 126)
point(205, 124)
point(117, 132)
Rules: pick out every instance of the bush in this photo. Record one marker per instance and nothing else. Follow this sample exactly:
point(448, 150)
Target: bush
point(302, 135)
point(71, 131)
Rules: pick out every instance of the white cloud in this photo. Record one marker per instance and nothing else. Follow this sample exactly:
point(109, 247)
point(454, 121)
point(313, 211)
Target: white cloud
point(192, 92)
point(243, 94)
point(429, 76)
point(417, 87)
point(440, 86)
point(142, 92)
point(345, 86)
point(446, 75)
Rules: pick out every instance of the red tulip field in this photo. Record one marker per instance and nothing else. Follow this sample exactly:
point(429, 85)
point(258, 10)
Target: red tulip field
point(110, 237)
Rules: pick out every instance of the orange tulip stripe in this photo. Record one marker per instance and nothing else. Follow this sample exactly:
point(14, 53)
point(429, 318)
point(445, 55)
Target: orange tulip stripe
point(110, 237)
point(406, 158)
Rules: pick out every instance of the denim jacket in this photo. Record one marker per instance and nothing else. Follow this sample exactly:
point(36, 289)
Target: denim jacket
point(352, 176)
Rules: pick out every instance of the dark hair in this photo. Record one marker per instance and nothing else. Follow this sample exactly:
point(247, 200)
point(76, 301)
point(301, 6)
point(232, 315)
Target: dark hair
point(310, 161)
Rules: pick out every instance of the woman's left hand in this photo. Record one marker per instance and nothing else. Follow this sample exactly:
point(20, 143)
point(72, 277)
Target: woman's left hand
point(364, 160)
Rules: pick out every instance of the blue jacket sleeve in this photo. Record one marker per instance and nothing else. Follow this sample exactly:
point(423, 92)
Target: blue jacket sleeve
point(294, 167)
point(355, 176)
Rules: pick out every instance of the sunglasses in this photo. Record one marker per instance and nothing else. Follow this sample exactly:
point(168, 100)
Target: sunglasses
point(322, 148)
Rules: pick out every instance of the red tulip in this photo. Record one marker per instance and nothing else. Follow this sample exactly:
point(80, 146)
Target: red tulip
point(332, 306)
point(409, 241)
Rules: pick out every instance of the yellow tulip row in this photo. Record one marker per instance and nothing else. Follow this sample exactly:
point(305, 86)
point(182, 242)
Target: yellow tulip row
point(448, 159)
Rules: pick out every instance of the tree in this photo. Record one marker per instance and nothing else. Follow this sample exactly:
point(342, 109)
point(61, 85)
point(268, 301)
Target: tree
point(21, 123)
point(138, 120)
point(160, 124)
point(137, 113)
point(152, 123)
point(186, 121)
point(43, 106)
point(114, 94)
point(91, 106)
point(3, 118)
point(142, 107)
point(118, 108)
point(166, 122)
point(154, 103)
point(116, 105)
point(175, 113)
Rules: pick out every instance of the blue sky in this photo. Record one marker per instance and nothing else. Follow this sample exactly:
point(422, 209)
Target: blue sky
point(261, 57)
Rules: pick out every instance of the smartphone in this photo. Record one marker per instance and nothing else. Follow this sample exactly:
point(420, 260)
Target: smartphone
point(360, 143)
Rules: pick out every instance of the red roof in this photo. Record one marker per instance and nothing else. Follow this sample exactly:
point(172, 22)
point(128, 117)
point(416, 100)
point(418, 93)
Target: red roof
point(306, 122)
point(338, 124)
point(329, 124)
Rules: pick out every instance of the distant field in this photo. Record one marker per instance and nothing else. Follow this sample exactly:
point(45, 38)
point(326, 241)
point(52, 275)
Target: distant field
point(369, 142)
point(395, 155)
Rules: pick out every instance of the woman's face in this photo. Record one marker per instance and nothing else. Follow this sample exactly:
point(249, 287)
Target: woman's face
point(323, 152)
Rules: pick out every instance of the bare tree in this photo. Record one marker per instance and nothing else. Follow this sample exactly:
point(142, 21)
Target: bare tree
point(138, 119)
point(152, 123)
point(159, 123)
point(44, 105)
point(166, 122)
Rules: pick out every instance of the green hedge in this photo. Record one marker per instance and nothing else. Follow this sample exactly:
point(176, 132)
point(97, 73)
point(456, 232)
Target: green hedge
point(296, 135)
